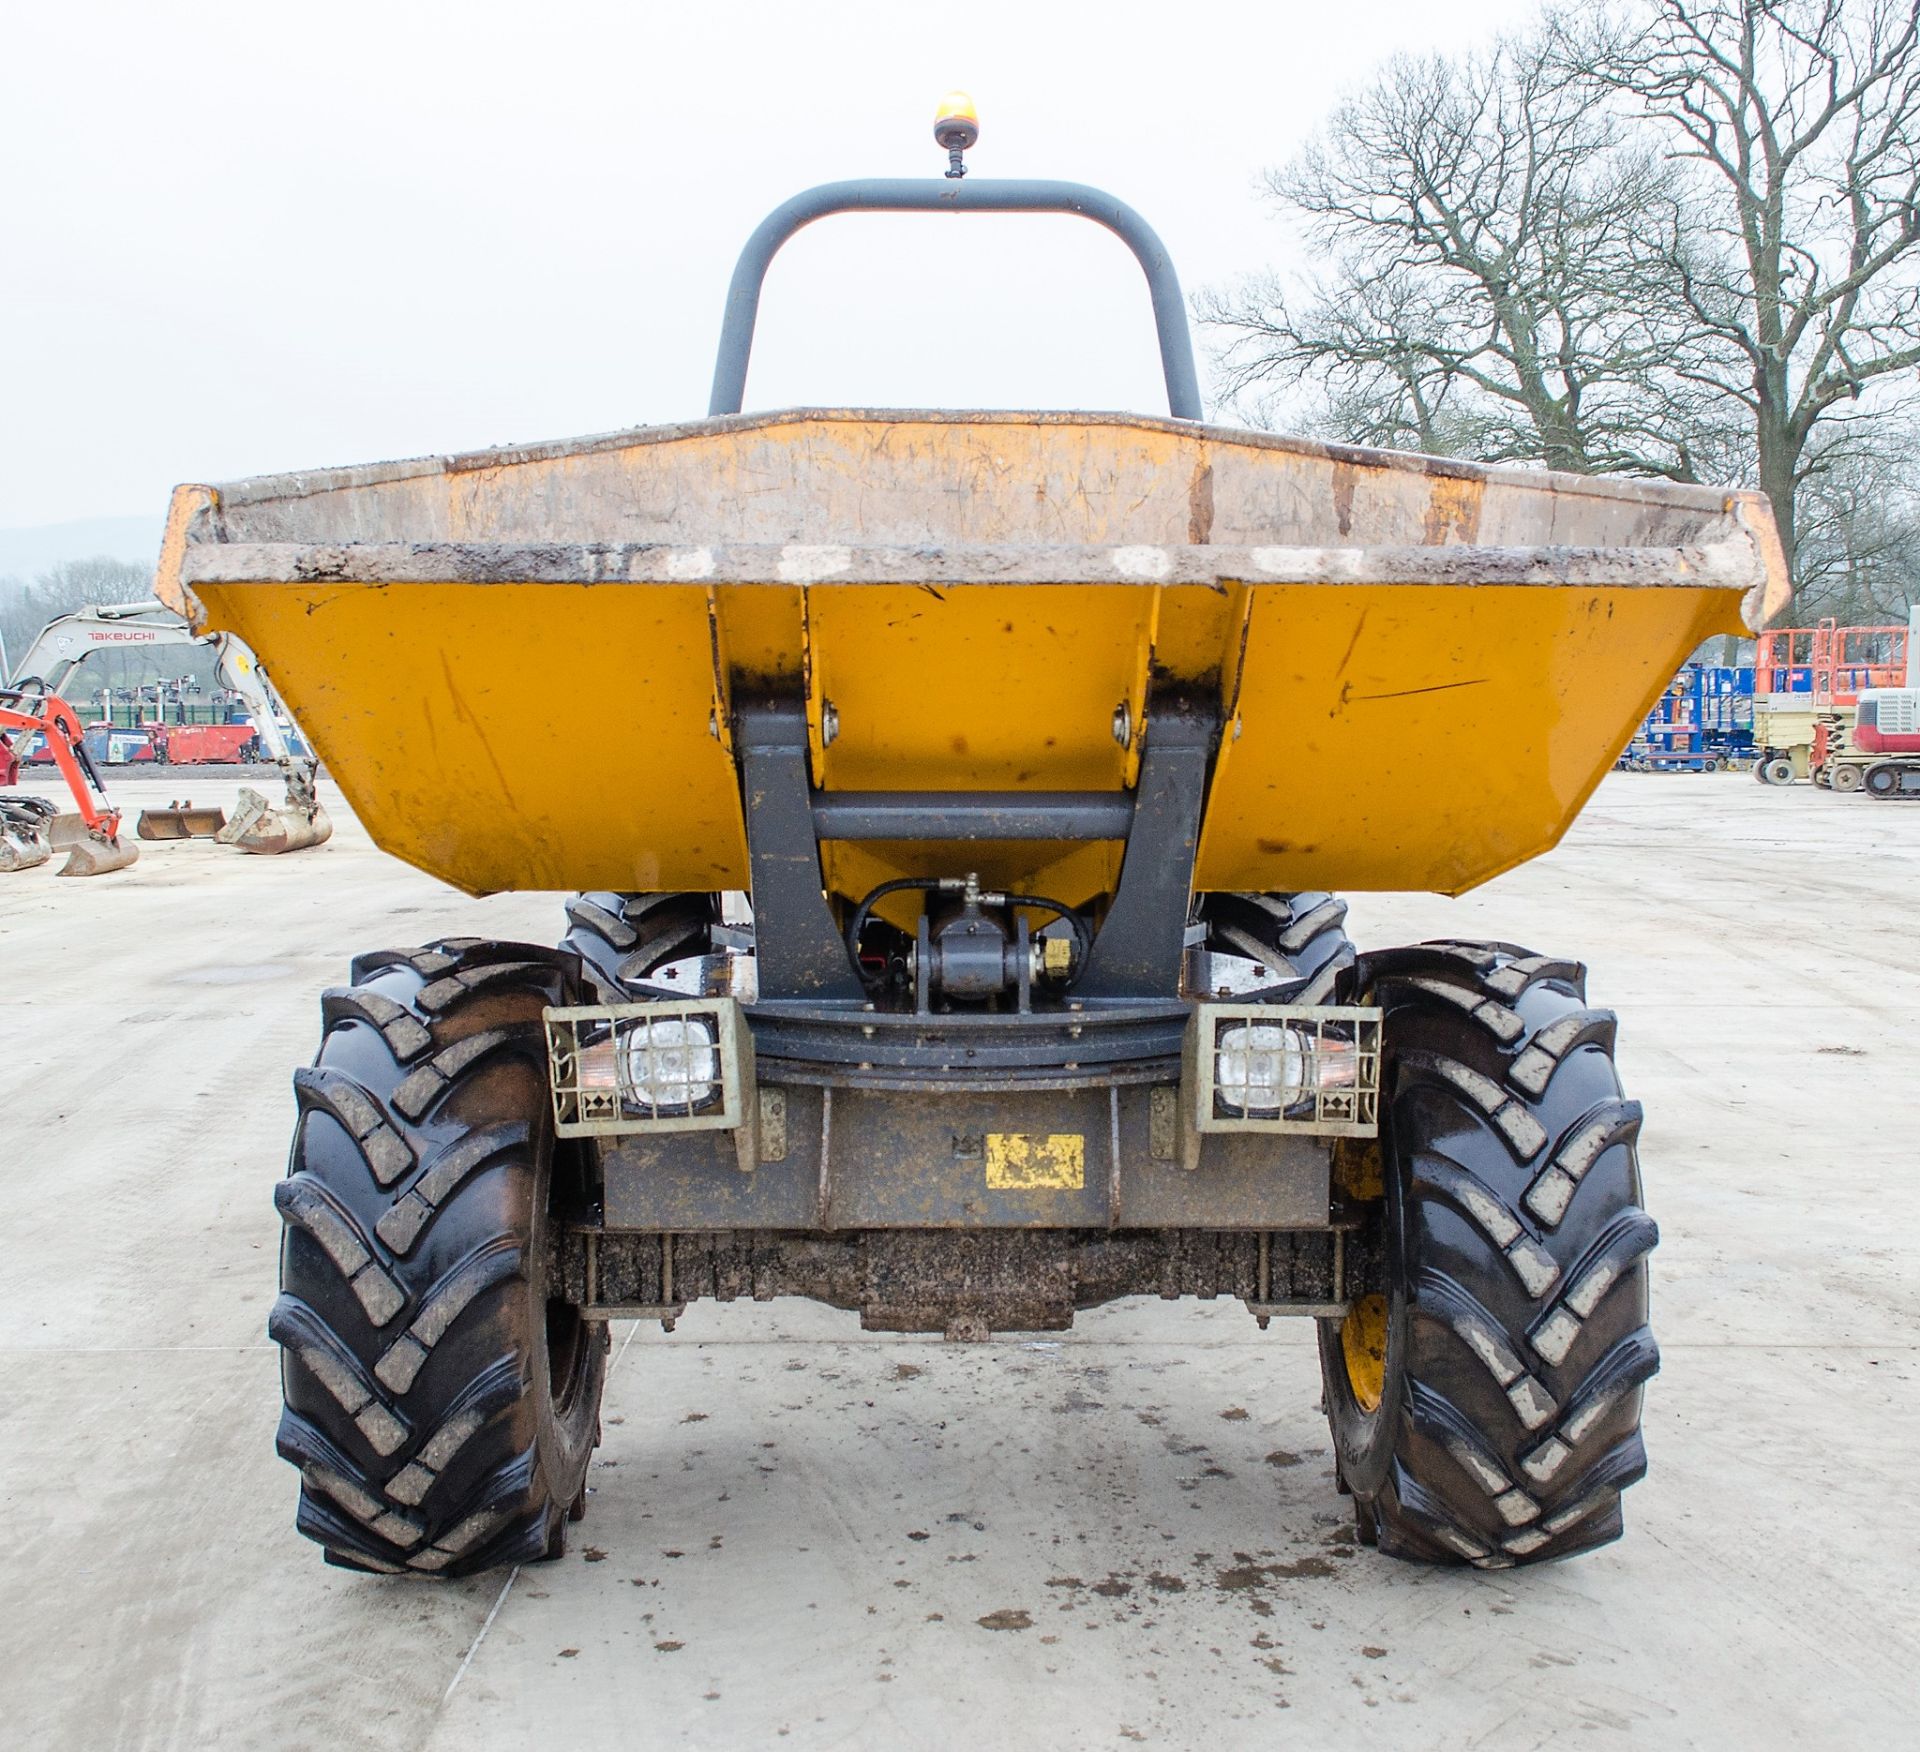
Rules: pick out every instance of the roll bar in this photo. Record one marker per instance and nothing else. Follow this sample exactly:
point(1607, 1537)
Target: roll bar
point(974, 195)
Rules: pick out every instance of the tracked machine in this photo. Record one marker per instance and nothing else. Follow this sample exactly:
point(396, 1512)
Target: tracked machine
point(955, 939)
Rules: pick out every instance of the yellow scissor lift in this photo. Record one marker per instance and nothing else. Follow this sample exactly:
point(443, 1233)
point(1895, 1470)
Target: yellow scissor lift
point(955, 939)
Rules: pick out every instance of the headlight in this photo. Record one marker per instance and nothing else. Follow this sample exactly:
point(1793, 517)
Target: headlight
point(669, 1066)
point(675, 1064)
point(1260, 1069)
point(1253, 1068)
point(645, 1067)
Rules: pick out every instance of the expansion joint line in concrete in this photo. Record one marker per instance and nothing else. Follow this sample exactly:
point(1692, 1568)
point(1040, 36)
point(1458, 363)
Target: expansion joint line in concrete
point(473, 1648)
point(513, 1575)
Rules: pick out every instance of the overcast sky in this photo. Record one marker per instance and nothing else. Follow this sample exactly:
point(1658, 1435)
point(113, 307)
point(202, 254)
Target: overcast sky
point(240, 238)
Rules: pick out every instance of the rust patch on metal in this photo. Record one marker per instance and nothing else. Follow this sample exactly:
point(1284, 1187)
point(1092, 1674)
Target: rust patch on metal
point(187, 503)
point(1200, 505)
point(1453, 510)
point(1345, 475)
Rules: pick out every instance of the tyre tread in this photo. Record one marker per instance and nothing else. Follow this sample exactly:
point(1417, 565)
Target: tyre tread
point(397, 1248)
point(1527, 1342)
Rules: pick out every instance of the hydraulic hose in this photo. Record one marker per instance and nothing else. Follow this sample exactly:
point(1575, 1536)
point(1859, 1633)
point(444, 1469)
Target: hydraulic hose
point(1074, 922)
point(864, 911)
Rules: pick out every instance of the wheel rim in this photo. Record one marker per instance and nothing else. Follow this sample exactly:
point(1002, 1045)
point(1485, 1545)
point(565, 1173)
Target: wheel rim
point(1363, 1346)
point(567, 1340)
point(566, 1355)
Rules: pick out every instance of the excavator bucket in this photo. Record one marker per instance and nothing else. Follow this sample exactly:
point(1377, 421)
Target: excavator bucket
point(180, 821)
point(66, 829)
point(94, 854)
point(23, 832)
point(23, 844)
point(257, 826)
point(91, 835)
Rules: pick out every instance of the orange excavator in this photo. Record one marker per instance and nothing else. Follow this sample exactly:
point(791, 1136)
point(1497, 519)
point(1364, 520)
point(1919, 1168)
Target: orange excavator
point(31, 829)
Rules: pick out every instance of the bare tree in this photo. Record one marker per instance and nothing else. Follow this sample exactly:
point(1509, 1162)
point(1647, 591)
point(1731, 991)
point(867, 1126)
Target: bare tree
point(1372, 348)
point(1493, 239)
point(1857, 515)
point(1798, 119)
point(1681, 240)
point(26, 608)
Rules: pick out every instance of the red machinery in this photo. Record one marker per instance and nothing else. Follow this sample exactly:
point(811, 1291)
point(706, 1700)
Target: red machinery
point(1887, 725)
point(1801, 673)
point(1876, 748)
point(91, 836)
point(1830, 663)
point(201, 744)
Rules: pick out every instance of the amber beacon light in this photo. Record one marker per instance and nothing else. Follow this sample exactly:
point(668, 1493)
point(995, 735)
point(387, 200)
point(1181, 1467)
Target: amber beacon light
point(956, 127)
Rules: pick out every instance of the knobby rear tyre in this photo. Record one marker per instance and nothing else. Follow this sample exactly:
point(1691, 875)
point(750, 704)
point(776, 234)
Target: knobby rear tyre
point(441, 1406)
point(1507, 1417)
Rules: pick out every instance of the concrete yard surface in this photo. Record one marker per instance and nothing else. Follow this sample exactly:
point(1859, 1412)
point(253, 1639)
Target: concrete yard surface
point(1127, 1534)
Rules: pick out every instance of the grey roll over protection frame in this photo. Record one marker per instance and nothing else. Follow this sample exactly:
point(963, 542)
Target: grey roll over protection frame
point(974, 195)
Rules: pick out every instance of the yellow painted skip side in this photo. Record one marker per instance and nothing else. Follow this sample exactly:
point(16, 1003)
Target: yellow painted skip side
point(560, 736)
point(1430, 738)
point(512, 736)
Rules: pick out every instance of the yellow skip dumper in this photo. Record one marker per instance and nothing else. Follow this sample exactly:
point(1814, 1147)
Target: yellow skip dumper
point(955, 803)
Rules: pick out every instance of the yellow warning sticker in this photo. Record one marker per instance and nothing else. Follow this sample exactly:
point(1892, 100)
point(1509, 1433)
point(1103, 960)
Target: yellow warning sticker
point(1017, 1162)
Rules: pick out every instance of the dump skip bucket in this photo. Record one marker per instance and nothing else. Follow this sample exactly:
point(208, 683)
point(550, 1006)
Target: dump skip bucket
point(180, 821)
point(1422, 667)
point(257, 826)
